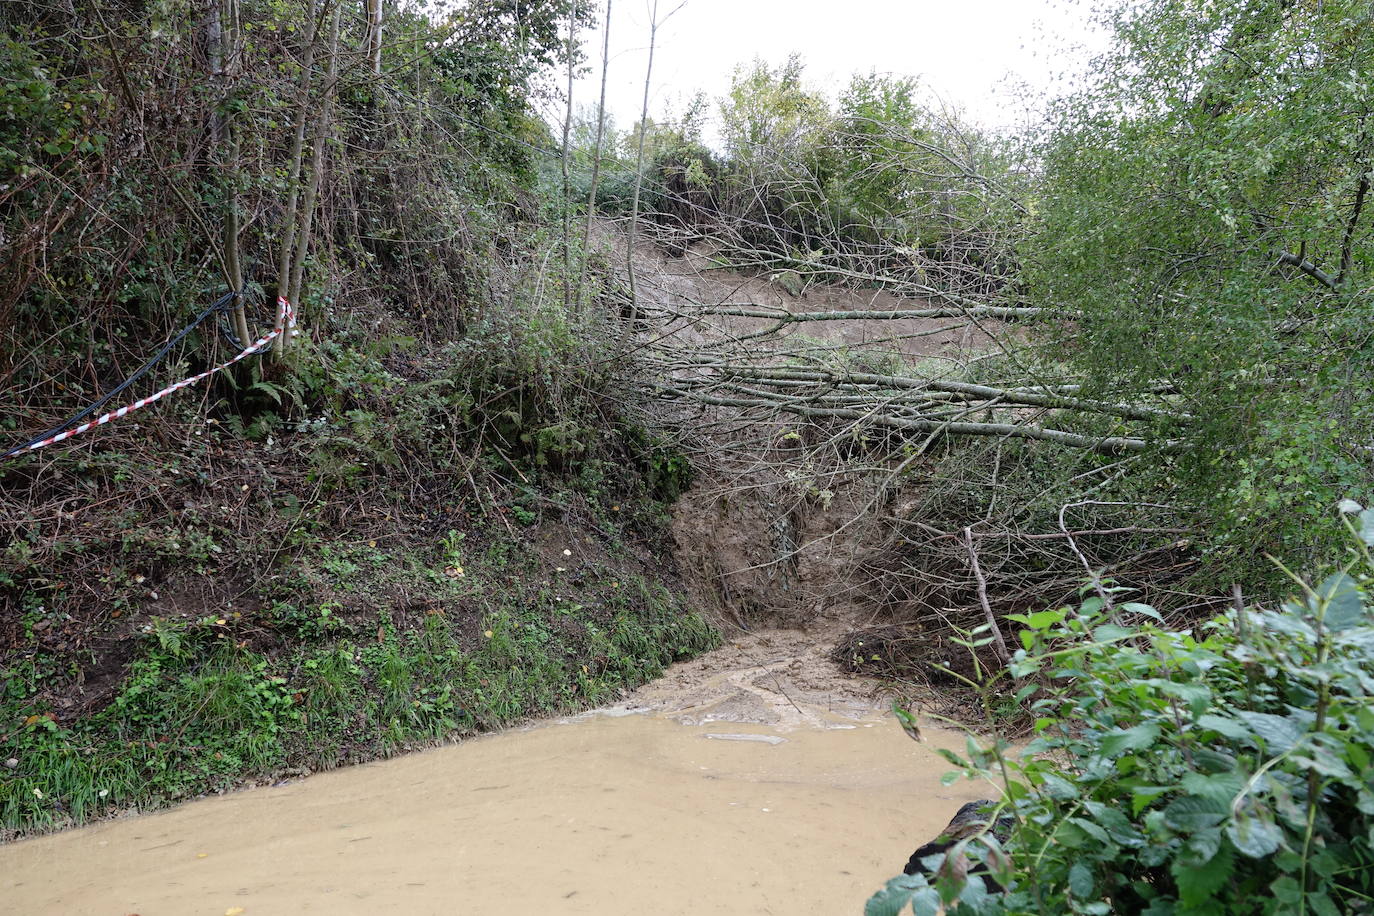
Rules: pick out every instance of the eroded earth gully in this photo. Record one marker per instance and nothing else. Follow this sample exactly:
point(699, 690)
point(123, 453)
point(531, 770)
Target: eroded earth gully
point(755, 779)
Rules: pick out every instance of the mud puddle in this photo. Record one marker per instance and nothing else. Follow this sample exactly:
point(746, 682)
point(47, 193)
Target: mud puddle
point(753, 780)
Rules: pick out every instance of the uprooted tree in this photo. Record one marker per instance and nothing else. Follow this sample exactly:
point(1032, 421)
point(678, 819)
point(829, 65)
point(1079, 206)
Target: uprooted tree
point(1172, 277)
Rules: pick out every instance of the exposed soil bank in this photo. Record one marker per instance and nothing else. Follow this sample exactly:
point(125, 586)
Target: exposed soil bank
point(751, 781)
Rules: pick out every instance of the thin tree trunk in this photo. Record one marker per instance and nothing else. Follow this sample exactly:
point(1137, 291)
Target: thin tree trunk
point(218, 42)
point(639, 165)
point(214, 59)
point(289, 215)
point(317, 156)
point(222, 128)
point(596, 151)
point(233, 264)
point(374, 36)
point(567, 180)
point(1362, 189)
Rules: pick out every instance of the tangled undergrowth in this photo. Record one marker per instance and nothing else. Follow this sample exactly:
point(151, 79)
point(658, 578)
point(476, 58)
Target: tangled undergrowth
point(389, 549)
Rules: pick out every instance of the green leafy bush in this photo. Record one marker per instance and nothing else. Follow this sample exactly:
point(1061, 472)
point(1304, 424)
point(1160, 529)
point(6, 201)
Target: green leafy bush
point(1211, 233)
point(1222, 769)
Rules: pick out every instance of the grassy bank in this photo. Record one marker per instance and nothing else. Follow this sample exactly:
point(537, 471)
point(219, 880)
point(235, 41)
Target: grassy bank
point(330, 665)
point(382, 549)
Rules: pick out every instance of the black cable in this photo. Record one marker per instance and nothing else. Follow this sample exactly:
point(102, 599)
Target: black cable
point(223, 303)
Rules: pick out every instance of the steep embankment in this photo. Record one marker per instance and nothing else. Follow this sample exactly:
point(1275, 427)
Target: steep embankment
point(411, 549)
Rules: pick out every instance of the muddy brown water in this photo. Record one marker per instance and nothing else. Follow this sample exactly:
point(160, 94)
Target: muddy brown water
point(750, 781)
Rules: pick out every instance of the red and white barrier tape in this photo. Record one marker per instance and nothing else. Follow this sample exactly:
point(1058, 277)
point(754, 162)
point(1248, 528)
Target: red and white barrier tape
point(286, 318)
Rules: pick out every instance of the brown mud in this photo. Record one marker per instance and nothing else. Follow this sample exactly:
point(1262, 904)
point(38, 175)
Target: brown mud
point(755, 779)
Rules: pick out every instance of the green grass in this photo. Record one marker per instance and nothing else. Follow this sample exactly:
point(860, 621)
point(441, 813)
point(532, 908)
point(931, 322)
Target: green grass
point(199, 711)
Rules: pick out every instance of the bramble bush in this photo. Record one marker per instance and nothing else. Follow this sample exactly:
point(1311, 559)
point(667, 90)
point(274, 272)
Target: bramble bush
point(1226, 769)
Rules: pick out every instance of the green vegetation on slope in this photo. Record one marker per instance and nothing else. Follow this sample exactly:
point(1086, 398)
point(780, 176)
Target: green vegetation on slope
point(436, 513)
point(494, 635)
point(1204, 211)
point(1225, 769)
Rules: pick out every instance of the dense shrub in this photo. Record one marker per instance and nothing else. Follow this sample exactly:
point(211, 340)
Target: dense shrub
point(1227, 768)
point(1203, 216)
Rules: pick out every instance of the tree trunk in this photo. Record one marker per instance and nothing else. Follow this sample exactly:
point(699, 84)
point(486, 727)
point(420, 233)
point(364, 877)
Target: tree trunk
point(1361, 190)
point(567, 181)
point(596, 151)
point(317, 157)
point(222, 132)
point(639, 167)
point(374, 36)
point(289, 214)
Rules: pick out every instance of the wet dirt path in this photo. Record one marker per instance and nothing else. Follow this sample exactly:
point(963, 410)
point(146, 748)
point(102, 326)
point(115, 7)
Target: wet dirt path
point(752, 780)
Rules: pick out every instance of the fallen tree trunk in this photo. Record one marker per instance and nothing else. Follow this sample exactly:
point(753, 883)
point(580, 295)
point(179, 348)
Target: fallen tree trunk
point(965, 391)
point(1107, 445)
point(785, 317)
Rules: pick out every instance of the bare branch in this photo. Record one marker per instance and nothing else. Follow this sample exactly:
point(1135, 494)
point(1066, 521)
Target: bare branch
point(1307, 267)
point(975, 311)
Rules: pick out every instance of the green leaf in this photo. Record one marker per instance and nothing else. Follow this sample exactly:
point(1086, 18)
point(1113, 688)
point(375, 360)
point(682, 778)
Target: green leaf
point(267, 388)
point(1219, 788)
point(1343, 600)
point(1135, 607)
point(900, 892)
point(1130, 739)
point(1200, 883)
point(1115, 822)
point(1191, 813)
point(1325, 762)
point(1223, 725)
point(1091, 829)
point(1254, 835)
point(1142, 796)
point(1197, 696)
point(974, 893)
point(1070, 836)
point(1081, 882)
point(891, 900)
point(927, 902)
point(1287, 891)
point(1322, 904)
point(1367, 526)
point(1059, 788)
point(1110, 632)
point(952, 757)
point(1279, 733)
point(1042, 620)
point(1202, 846)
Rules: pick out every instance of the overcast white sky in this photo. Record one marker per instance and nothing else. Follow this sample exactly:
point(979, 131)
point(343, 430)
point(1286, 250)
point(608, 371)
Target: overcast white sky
point(972, 53)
